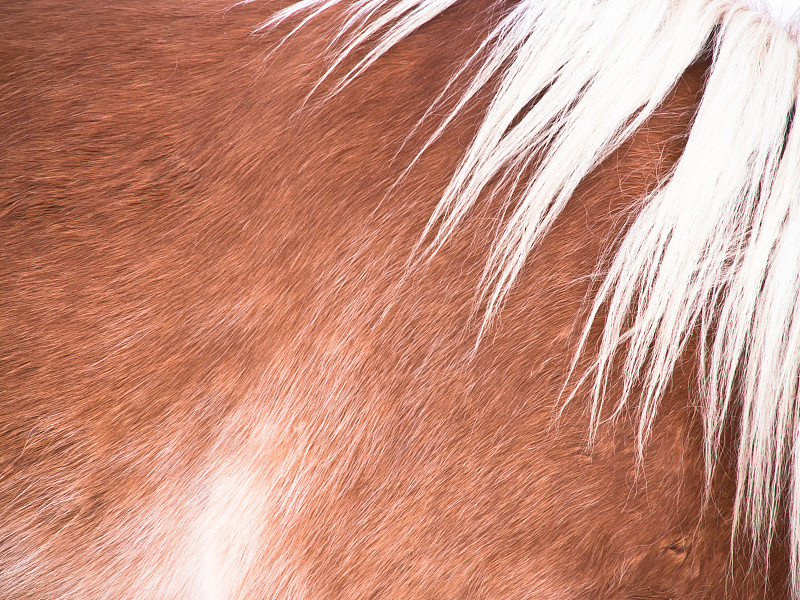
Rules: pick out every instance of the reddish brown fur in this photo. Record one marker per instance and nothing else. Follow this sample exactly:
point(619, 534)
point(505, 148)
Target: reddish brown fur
point(213, 357)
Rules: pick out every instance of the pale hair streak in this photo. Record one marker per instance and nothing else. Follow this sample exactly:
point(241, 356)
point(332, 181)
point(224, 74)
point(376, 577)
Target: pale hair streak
point(715, 250)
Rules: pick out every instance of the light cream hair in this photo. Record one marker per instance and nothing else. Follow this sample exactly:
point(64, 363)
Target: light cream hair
point(714, 251)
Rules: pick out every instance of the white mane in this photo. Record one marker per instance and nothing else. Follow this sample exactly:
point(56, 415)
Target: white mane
point(714, 251)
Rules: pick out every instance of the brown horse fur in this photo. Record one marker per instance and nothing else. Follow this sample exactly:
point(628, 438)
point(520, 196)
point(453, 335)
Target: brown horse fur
point(220, 379)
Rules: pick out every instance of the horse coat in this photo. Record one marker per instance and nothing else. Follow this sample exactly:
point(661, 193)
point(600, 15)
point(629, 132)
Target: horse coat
point(398, 300)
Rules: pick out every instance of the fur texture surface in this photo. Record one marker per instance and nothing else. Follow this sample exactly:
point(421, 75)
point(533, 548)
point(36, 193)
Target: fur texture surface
point(713, 252)
point(227, 373)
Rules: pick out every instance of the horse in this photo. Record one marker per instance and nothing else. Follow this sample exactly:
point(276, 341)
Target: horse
point(458, 299)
